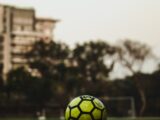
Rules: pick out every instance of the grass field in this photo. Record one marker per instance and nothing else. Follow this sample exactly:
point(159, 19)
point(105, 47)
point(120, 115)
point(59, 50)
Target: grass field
point(145, 118)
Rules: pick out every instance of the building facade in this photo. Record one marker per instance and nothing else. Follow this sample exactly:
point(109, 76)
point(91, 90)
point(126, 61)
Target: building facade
point(19, 30)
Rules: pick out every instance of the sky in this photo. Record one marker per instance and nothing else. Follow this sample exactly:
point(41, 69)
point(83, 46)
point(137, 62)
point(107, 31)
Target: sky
point(109, 20)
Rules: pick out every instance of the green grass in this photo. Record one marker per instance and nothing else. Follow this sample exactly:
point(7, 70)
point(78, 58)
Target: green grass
point(144, 118)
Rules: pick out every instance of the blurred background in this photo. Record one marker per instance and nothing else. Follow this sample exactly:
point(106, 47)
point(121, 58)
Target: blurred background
point(108, 49)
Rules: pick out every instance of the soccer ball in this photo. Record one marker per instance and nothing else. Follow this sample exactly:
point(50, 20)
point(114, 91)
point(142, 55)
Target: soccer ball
point(85, 107)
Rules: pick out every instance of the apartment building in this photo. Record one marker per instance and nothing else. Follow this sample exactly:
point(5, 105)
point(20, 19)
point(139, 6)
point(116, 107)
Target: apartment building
point(19, 30)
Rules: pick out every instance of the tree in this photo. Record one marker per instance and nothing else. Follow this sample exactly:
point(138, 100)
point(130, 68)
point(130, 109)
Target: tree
point(24, 88)
point(132, 55)
point(49, 62)
point(17, 84)
point(90, 58)
point(45, 56)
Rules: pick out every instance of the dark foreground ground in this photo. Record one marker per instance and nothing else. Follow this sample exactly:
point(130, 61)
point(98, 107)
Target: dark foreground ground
point(144, 118)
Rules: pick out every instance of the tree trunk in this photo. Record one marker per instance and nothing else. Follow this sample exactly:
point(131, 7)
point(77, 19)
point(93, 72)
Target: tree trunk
point(143, 101)
point(142, 97)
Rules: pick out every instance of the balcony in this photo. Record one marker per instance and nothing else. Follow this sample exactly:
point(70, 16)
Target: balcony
point(22, 42)
point(19, 60)
point(28, 33)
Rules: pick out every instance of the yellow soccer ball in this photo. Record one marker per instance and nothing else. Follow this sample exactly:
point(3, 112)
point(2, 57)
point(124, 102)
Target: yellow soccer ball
point(85, 107)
